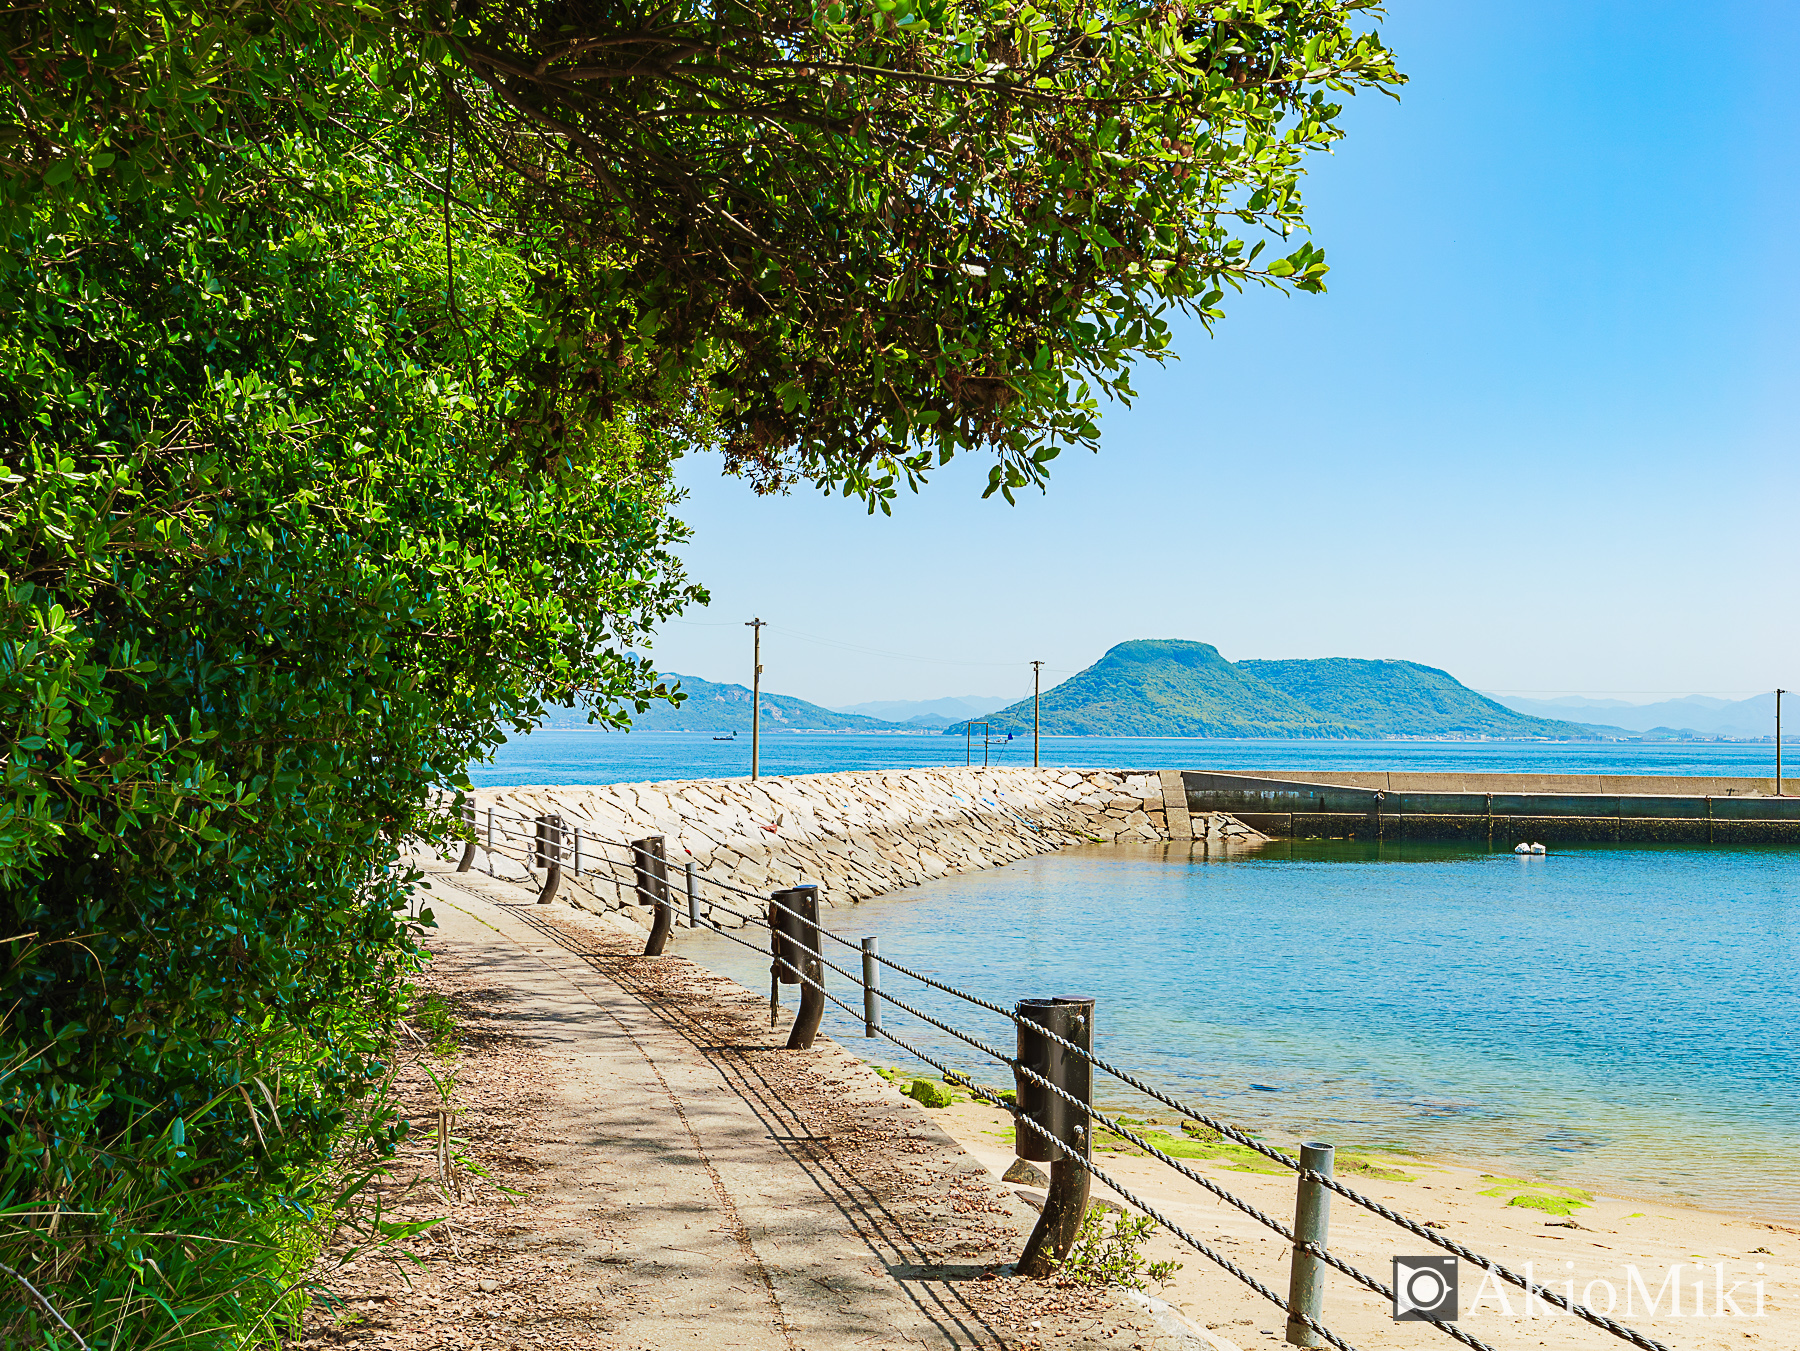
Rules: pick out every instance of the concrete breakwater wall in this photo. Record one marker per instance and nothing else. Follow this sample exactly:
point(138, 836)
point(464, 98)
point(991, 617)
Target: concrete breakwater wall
point(1589, 785)
point(1502, 808)
point(856, 834)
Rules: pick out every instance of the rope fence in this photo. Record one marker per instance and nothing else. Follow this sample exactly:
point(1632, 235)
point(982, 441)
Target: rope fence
point(546, 842)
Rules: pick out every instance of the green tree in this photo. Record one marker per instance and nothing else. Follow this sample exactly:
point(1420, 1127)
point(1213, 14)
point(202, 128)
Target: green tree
point(349, 348)
point(890, 231)
point(882, 232)
point(270, 578)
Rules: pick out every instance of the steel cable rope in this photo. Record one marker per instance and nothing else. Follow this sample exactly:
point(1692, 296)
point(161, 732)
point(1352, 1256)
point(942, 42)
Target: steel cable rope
point(1313, 1248)
point(524, 852)
point(1450, 1245)
point(976, 1042)
point(1115, 1127)
point(602, 842)
point(958, 1077)
point(1581, 1311)
point(1219, 1258)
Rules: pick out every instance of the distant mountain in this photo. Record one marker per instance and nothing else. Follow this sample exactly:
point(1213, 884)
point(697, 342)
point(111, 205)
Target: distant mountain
point(1169, 687)
point(933, 722)
point(929, 712)
point(1675, 734)
point(726, 708)
point(1403, 698)
point(1173, 687)
point(1745, 718)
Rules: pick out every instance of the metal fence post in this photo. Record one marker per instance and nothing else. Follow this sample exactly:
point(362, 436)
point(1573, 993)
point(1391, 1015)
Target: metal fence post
point(1066, 1203)
point(490, 841)
point(871, 949)
point(578, 851)
point(548, 850)
point(693, 891)
point(1312, 1215)
point(784, 952)
point(797, 943)
point(653, 890)
point(468, 857)
point(640, 872)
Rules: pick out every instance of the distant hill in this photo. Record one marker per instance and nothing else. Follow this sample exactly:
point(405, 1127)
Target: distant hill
point(1174, 687)
point(929, 712)
point(1403, 698)
point(1696, 715)
point(726, 708)
point(1169, 687)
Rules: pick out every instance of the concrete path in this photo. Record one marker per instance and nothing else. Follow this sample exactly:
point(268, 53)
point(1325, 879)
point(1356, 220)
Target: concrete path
point(720, 1190)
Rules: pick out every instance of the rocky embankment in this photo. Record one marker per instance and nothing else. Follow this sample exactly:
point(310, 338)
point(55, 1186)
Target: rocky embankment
point(856, 834)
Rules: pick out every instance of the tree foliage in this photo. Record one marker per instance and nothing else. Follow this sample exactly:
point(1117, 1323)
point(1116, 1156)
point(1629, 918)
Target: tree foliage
point(893, 231)
point(268, 582)
point(881, 233)
point(349, 346)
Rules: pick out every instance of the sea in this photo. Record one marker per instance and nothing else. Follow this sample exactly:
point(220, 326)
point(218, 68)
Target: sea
point(594, 755)
point(1618, 1017)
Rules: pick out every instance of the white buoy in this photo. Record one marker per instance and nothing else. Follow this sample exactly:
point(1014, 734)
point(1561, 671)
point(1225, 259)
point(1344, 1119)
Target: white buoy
point(1521, 848)
point(1539, 849)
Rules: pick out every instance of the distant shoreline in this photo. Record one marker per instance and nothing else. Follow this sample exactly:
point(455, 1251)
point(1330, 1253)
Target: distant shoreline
point(567, 755)
point(744, 732)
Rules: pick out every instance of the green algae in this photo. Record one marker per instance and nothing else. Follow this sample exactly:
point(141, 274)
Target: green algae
point(930, 1093)
point(1548, 1197)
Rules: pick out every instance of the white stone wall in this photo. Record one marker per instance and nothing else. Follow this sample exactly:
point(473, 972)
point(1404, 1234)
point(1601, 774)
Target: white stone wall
point(856, 834)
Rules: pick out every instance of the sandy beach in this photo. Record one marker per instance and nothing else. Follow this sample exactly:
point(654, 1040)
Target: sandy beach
point(1596, 1244)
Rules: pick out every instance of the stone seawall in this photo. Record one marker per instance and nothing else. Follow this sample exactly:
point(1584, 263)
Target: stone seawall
point(856, 834)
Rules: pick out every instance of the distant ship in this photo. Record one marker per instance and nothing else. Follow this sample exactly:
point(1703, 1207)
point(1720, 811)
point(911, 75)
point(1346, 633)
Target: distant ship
point(732, 737)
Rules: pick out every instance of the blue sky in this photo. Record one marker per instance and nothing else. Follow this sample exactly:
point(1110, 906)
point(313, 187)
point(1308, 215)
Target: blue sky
point(1539, 432)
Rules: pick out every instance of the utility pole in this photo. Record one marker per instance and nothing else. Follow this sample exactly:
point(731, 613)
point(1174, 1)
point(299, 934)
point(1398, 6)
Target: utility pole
point(756, 628)
point(1037, 669)
point(1778, 694)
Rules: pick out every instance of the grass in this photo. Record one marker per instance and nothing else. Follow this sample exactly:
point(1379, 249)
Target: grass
point(158, 1247)
point(434, 1018)
point(164, 1254)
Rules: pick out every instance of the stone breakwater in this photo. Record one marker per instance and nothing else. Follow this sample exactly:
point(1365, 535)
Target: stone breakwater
point(855, 834)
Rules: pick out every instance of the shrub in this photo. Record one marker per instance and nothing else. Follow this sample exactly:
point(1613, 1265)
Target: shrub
point(270, 577)
point(1113, 1256)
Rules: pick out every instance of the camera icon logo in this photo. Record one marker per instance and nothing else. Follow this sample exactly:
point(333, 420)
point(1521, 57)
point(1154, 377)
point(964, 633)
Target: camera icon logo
point(1424, 1288)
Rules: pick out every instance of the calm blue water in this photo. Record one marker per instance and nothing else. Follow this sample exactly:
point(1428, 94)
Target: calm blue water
point(1620, 1016)
point(590, 755)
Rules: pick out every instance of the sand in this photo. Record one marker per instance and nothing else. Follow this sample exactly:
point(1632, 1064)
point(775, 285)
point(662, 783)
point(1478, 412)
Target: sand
point(1595, 1242)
